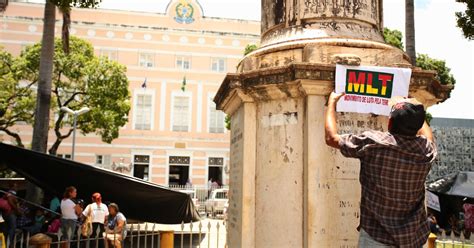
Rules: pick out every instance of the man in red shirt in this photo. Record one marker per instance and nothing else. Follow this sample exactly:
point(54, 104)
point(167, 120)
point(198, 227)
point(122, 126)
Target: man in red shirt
point(394, 166)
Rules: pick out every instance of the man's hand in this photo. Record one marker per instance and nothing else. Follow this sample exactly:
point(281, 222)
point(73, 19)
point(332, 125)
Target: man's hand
point(334, 97)
point(332, 138)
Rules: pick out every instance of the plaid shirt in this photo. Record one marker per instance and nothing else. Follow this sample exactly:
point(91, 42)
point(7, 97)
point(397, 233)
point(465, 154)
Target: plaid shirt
point(392, 174)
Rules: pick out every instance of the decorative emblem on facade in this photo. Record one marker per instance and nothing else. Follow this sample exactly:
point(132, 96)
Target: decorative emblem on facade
point(184, 12)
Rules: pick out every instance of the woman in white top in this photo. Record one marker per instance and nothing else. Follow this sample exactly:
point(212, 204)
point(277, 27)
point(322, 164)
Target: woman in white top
point(69, 212)
point(98, 212)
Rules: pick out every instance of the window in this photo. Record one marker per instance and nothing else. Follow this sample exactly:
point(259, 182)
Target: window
point(99, 159)
point(141, 165)
point(216, 119)
point(146, 60)
point(215, 169)
point(64, 156)
point(143, 112)
point(179, 170)
point(102, 161)
point(181, 115)
point(218, 64)
point(110, 54)
point(183, 62)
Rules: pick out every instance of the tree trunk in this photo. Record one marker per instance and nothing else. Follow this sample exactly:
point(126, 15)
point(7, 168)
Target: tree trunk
point(410, 30)
point(43, 101)
point(65, 29)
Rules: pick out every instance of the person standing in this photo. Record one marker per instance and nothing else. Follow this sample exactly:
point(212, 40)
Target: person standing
point(394, 166)
point(70, 212)
point(98, 212)
point(115, 231)
point(10, 209)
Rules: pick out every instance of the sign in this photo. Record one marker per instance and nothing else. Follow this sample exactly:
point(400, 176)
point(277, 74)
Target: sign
point(368, 89)
point(184, 12)
point(432, 201)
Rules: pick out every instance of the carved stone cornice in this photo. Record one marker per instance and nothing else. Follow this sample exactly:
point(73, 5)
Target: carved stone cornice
point(300, 79)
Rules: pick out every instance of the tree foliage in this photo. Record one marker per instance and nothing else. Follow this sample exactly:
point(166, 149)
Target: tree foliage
point(16, 98)
point(250, 48)
point(443, 72)
point(465, 20)
point(81, 79)
point(393, 37)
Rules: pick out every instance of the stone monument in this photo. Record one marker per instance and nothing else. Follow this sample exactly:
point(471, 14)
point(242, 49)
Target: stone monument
point(287, 188)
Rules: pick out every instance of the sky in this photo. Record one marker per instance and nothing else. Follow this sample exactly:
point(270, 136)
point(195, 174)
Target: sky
point(436, 35)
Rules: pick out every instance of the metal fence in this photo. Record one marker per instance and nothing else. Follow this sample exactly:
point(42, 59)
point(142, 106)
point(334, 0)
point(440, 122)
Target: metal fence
point(205, 234)
point(452, 241)
point(201, 194)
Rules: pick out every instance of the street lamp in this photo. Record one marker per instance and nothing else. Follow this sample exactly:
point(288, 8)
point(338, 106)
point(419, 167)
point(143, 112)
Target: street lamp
point(75, 114)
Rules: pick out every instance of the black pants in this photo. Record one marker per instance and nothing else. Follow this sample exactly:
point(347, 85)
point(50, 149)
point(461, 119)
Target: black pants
point(97, 239)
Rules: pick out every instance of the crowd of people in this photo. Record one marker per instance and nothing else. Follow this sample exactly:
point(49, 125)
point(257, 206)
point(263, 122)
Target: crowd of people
point(102, 224)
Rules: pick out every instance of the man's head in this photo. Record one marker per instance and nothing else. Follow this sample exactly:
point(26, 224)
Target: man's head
point(406, 117)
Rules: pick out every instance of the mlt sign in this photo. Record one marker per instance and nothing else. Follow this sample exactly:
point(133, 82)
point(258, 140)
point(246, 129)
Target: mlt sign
point(369, 83)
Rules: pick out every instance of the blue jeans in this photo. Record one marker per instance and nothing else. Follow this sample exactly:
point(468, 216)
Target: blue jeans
point(365, 241)
point(10, 220)
point(68, 228)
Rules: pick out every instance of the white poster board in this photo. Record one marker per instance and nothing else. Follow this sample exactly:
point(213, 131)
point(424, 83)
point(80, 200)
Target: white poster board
point(368, 88)
point(432, 201)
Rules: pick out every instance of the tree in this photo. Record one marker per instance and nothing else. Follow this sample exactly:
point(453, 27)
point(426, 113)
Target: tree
point(443, 72)
point(82, 79)
point(16, 101)
point(250, 48)
point(465, 20)
point(410, 30)
point(41, 122)
point(393, 37)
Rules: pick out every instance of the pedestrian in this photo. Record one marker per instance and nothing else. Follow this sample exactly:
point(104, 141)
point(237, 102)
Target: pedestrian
point(69, 213)
point(468, 208)
point(38, 223)
point(394, 166)
point(98, 212)
point(8, 215)
point(115, 231)
point(10, 210)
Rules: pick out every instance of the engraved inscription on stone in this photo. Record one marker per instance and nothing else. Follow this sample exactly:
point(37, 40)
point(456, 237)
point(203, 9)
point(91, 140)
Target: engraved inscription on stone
point(364, 10)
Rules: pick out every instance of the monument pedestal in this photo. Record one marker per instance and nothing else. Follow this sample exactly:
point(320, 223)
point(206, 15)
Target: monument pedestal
point(287, 188)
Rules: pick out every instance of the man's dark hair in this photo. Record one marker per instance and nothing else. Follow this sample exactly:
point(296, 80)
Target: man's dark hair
point(406, 118)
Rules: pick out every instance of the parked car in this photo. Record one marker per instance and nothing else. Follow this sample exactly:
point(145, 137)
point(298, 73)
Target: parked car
point(216, 202)
point(192, 194)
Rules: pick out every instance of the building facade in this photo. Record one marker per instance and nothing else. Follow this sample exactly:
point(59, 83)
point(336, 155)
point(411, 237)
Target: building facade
point(172, 135)
point(455, 141)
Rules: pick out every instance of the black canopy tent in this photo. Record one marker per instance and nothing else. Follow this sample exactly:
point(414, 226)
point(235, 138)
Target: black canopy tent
point(139, 200)
point(452, 190)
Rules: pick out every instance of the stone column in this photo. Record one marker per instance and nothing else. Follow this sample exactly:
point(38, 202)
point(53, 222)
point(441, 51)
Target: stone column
point(287, 188)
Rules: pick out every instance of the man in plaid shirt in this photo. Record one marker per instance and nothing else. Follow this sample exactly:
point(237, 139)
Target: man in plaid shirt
point(394, 166)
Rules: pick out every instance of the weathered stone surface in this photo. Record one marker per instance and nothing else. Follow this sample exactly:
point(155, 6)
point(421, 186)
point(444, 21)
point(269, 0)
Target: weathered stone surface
point(287, 188)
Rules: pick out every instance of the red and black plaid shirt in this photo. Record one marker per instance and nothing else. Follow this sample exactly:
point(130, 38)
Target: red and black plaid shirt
point(392, 174)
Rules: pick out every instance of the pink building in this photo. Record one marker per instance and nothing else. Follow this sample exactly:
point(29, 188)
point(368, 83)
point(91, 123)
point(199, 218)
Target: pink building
point(172, 135)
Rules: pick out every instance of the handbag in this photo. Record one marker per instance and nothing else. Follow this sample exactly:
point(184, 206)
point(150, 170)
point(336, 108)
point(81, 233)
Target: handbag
point(86, 228)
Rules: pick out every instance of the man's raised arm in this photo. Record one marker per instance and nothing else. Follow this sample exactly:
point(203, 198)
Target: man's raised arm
point(332, 138)
point(426, 131)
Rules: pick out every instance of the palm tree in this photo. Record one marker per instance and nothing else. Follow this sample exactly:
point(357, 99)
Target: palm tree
point(39, 142)
point(410, 30)
point(66, 12)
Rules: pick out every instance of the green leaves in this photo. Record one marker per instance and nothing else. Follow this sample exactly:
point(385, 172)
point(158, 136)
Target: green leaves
point(250, 48)
point(80, 79)
point(443, 72)
point(465, 20)
point(393, 37)
point(425, 62)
